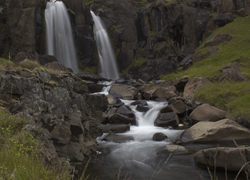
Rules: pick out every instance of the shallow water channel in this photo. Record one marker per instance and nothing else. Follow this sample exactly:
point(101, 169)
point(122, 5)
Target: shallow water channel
point(138, 159)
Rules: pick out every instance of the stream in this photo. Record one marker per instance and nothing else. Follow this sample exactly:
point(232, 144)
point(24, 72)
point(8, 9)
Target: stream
point(138, 159)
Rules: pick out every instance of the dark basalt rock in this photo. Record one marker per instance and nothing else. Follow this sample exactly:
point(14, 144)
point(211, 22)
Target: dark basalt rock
point(142, 108)
point(91, 77)
point(159, 137)
point(115, 128)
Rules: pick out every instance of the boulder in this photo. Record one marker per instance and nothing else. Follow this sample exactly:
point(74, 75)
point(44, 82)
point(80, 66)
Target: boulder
point(232, 72)
point(206, 112)
point(218, 39)
point(167, 117)
point(142, 108)
point(121, 119)
point(118, 138)
point(115, 128)
point(193, 85)
point(139, 102)
point(61, 133)
point(175, 149)
point(126, 111)
point(229, 158)
point(90, 77)
point(93, 88)
point(178, 107)
point(225, 6)
point(179, 83)
point(124, 91)
point(197, 57)
point(214, 50)
point(159, 137)
point(214, 131)
point(153, 92)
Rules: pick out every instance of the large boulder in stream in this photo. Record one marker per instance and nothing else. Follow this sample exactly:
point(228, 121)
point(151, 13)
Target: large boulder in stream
point(206, 112)
point(225, 129)
point(167, 117)
point(124, 91)
point(229, 158)
point(115, 128)
point(152, 92)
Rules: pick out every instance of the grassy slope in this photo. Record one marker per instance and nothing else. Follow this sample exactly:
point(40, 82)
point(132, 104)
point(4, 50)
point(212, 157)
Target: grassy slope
point(233, 97)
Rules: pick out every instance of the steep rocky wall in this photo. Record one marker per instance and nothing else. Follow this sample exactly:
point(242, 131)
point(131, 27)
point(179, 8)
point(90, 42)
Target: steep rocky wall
point(60, 107)
point(120, 18)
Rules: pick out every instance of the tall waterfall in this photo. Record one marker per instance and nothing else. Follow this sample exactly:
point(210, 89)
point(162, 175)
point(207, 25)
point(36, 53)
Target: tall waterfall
point(59, 35)
point(106, 55)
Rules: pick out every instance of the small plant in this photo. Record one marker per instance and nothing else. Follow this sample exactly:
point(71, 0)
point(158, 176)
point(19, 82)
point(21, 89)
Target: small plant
point(53, 83)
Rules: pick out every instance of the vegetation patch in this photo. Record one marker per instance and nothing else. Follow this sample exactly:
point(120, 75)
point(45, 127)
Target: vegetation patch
point(20, 157)
point(139, 3)
point(88, 1)
point(237, 48)
point(136, 62)
point(234, 97)
point(92, 70)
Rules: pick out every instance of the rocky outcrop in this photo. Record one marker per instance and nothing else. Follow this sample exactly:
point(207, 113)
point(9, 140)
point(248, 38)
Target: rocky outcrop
point(120, 18)
point(124, 91)
point(193, 85)
point(214, 131)
point(232, 72)
point(61, 106)
point(229, 158)
point(206, 112)
point(218, 39)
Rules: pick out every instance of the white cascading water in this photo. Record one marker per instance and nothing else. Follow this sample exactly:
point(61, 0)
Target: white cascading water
point(59, 37)
point(106, 55)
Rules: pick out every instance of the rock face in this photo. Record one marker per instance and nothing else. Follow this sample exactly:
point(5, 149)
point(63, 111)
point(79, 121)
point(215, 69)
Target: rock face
point(214, 131)
point(123, 91)
point(59, 104)
point(120, 18)
point(205, 112)
point(230, 158)
point(193, 85)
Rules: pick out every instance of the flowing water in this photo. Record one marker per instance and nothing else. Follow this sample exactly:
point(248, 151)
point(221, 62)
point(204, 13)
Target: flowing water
point(106, 55)
point(138, 159)
point(59, 37)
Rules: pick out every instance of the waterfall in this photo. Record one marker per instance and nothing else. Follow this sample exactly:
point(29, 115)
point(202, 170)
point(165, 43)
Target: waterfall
point(106, 55)
point(59, 37)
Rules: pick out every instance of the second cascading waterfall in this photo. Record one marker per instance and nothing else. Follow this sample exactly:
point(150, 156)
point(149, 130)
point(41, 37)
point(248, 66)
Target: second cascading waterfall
point(106, 55)
point(59, 37)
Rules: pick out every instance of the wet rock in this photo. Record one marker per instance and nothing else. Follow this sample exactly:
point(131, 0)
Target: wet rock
point(159, 137)
point(167, 117)
point(124, 91)
point(139, 102)
point(193, 85)
point(187, 60)
point(142, 108)
point(232, 72)
point(218, 39)
point(118, 138)
point(230, 158)
point(153, 92)
point(126, 111)
point(214, 131)
point(93, 88)
point(175, 149)
point(205, 112)
point(121, 119)
point(115, 128)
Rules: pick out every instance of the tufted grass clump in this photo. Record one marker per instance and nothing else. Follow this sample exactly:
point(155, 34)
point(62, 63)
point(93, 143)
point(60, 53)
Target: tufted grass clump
point(20, 156)
point(136, 62)
point(234, 97)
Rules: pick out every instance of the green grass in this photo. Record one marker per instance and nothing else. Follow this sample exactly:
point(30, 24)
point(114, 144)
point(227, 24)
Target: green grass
point(233, 97)
point(237, 48)
point(20, 157)
point(92, 70)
